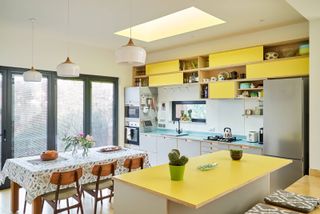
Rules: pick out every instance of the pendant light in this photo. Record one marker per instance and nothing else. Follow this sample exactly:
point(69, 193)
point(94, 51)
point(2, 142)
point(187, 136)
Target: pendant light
point(32, 75)
point(68, 68)
point(129, 53)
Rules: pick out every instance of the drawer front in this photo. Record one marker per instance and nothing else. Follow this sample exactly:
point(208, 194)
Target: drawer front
point(162, 67)
point(279, 68)
point(166, 79)
point(249, 150)
point(233, 57)
point(222, 90)
point(207, 147)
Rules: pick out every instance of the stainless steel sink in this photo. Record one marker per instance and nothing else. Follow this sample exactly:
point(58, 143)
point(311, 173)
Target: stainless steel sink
point(176, 134)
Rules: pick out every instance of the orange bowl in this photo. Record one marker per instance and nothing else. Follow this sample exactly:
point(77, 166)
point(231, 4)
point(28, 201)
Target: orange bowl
point(49, 155)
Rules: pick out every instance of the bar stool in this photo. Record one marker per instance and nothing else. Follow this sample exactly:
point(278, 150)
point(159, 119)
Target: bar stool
point(64, 178)
point(95, 187)
point(134, 163)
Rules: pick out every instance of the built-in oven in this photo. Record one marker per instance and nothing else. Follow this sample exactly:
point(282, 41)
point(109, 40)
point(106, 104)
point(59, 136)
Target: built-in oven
point(132, 134)
point(131, 111)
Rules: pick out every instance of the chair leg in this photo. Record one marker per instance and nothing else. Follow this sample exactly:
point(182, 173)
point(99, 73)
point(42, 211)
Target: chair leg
point(95, 205)
point(42, 203)
point(25, 204)
point(101, 201)
point(68, 205)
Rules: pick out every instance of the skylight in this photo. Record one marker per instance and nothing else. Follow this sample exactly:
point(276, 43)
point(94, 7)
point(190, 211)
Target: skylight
point(180, 22)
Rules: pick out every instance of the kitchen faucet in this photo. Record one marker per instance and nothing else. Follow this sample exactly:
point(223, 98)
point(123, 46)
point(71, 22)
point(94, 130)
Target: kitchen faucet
point(178, 130)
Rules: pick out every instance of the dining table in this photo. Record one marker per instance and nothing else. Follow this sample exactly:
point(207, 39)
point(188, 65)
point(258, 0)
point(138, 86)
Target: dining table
point(33, 174)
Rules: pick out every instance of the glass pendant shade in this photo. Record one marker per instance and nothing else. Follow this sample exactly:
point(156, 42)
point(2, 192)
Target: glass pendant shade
point(68, 69)
point(32, 75)
point(131, 54)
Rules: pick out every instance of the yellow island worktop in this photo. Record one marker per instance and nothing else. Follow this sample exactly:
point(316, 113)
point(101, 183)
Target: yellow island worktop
point(202, 187)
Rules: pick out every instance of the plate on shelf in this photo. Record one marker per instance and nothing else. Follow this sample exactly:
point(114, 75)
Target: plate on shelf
point(207, 167)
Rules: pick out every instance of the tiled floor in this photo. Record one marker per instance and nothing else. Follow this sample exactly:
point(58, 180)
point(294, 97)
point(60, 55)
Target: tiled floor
point(5, 201)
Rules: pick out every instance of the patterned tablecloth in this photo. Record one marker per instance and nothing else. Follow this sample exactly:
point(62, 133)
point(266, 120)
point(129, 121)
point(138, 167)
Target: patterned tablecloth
point(34, 175)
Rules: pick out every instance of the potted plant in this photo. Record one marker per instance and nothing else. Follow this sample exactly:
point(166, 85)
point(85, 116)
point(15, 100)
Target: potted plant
point(177, 165)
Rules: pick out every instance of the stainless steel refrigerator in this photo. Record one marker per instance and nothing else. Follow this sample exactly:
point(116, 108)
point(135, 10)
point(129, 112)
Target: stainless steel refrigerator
point(286, 119)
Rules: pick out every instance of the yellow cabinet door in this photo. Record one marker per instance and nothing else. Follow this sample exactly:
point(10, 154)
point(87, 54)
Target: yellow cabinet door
point(162, 67)
point(279, 68)
point(222, 90)
point(166, 79)
point(234, 57)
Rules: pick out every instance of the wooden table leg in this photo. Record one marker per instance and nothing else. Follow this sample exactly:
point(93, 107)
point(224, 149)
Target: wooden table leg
point(14, 197)
point(36, 205)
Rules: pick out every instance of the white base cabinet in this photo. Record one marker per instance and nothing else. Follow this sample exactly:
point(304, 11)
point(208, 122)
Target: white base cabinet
point(164, 146)
point(158, 147)
point(189, 148)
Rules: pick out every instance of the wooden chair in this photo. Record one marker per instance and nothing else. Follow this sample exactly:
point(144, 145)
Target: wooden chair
point(134, 163)
point(64, 178)
point(95, 187)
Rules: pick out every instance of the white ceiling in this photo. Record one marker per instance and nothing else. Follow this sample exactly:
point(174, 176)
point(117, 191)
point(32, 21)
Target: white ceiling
point(309, 9)
point(94, 22)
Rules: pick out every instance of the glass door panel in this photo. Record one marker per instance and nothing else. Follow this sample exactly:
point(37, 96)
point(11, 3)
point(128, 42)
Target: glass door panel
point(102, 110)
point(69, 109)
point(29, 116)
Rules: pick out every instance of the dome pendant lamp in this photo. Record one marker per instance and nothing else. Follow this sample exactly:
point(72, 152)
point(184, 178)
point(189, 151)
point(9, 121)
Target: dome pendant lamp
point(32, 75)
point(129, 53)
point(68, 68)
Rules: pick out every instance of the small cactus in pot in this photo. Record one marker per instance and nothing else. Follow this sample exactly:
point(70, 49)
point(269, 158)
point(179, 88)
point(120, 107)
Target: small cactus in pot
point(177, 165)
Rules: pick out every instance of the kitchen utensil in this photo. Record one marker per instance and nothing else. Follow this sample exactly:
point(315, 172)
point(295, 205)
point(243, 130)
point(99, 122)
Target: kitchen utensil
point(261, 135)
point(271, 55)
point(206, 80)
point(236, 154)
point(49, 155)
point(289, 52)
point(242, 76)
point(252, 137)
point(227, 132)
point(213, 79)
point(304, 49)
point(207, 167)
point(234, 75)
point(244, 85)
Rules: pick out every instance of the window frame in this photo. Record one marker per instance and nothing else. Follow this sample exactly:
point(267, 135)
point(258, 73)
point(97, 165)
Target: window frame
point(7, 73)
point(175, 103)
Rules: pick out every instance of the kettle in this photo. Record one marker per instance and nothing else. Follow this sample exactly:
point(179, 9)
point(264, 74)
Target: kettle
point(252, 137)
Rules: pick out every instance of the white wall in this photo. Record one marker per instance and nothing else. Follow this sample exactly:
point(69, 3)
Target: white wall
point(285, 33)
point(49, 52)
point(220, 113)
point(314, 93)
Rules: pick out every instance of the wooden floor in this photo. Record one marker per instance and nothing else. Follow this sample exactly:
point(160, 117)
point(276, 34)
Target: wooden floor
point(5, 201)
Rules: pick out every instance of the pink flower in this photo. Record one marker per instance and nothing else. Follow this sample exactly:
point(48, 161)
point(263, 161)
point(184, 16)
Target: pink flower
point(81, 134)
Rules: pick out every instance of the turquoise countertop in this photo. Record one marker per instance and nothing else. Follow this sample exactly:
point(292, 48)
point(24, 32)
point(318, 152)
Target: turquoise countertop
point(202, 136)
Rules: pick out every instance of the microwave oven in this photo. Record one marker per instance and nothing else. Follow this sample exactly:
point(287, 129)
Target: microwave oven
point(131, 111)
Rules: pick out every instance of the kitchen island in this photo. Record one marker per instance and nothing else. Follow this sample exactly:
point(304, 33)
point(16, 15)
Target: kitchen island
point(231, 187)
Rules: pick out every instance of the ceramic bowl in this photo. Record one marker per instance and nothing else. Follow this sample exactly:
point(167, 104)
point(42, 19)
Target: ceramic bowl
point(236, 154)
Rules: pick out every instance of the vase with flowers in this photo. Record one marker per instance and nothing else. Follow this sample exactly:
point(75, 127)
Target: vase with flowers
point(80, 140)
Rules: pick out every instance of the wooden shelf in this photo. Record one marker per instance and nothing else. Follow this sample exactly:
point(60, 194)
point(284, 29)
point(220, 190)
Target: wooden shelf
point(190, 70)
point(140, 77)
point(250, 89)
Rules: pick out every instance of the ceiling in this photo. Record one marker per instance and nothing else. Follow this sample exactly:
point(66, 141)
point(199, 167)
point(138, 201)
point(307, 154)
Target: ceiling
point(309, 10)
point(94, 22)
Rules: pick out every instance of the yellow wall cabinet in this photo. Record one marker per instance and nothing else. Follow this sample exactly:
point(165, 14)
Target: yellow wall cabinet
point(162, 67)
point(234, 57)
point(298, 66)
point(166, 79)
point(223, 90)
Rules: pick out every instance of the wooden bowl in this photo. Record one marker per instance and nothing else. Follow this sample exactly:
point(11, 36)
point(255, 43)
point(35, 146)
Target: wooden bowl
point(49, 155)
point(236, 154)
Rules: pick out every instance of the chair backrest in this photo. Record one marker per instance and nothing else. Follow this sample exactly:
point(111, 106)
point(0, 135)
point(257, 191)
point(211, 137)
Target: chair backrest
point(134, 163)
point(66, 178)
point(104, 169)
